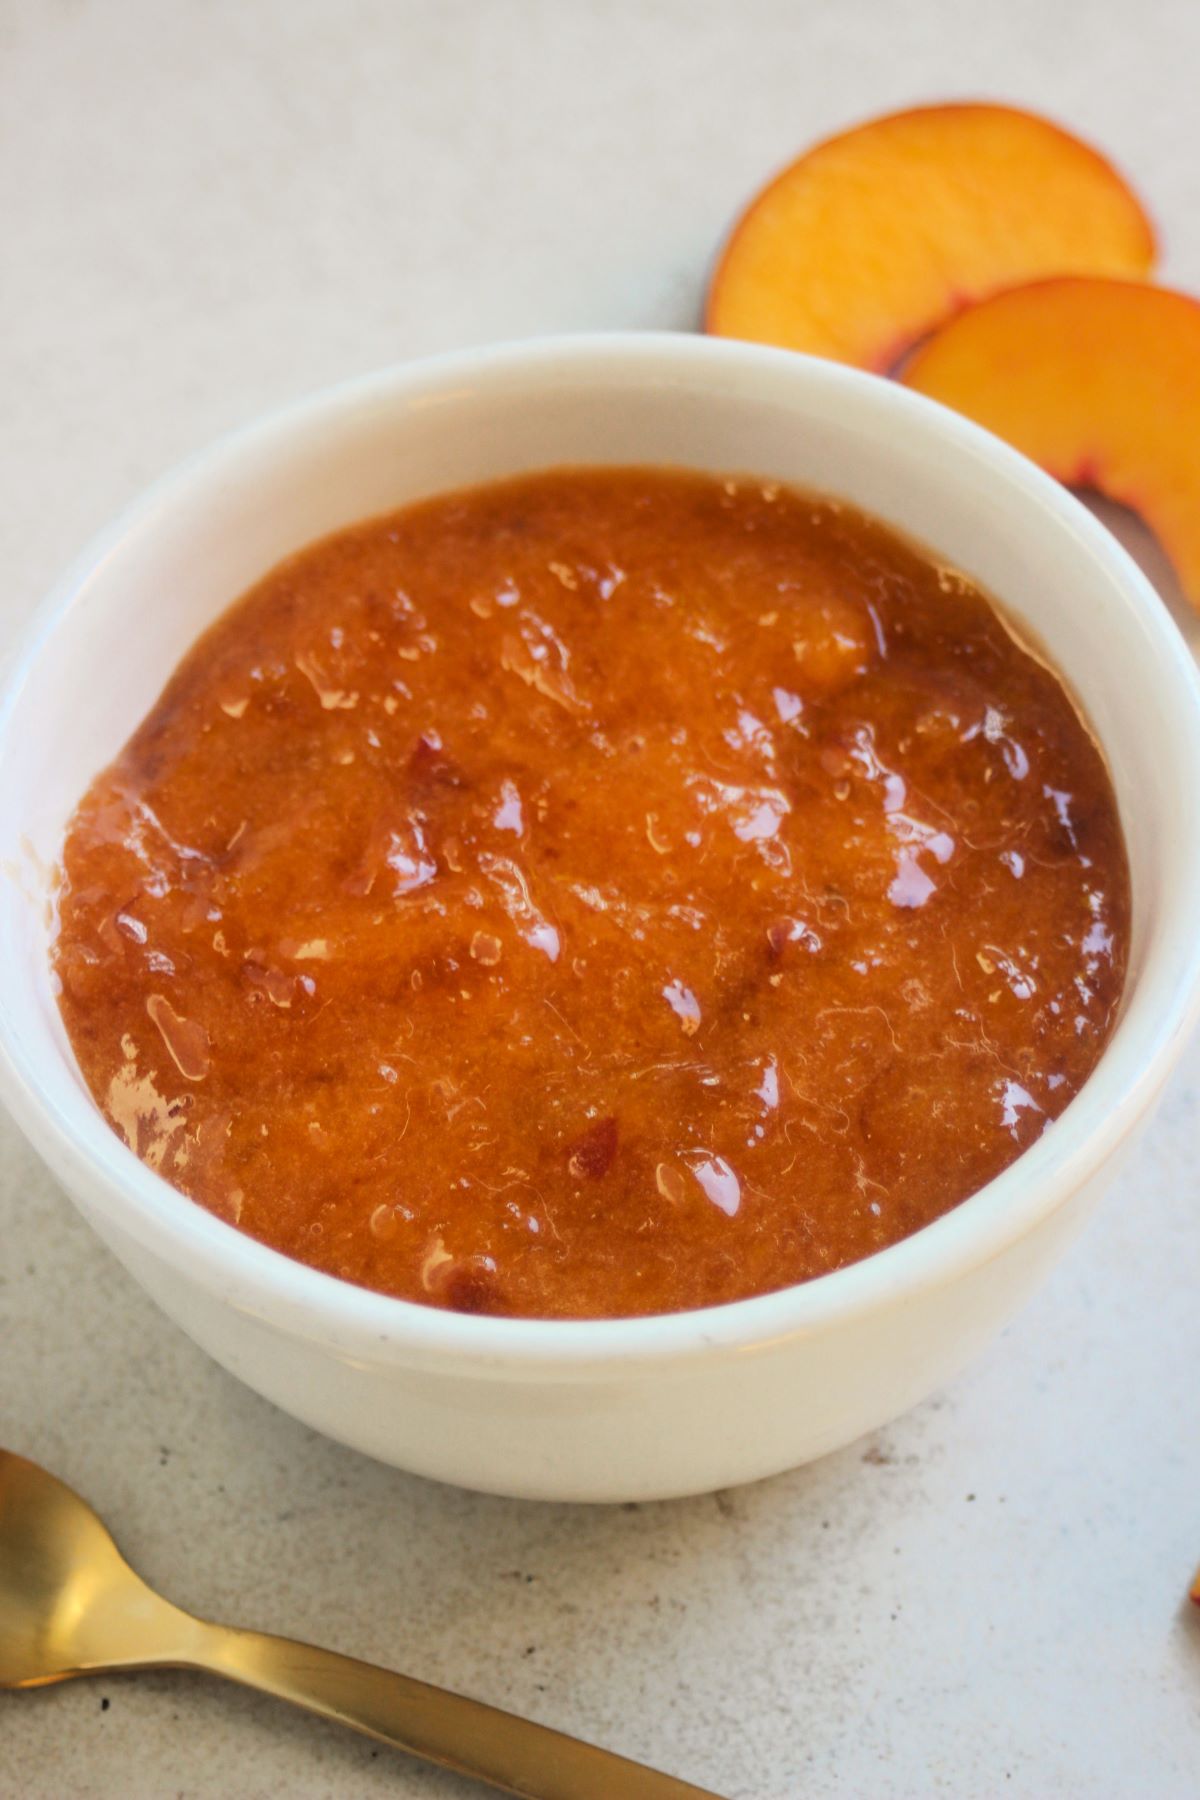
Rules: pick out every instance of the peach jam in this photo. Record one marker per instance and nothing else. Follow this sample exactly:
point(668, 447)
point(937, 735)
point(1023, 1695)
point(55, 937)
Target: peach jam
point(604, 892)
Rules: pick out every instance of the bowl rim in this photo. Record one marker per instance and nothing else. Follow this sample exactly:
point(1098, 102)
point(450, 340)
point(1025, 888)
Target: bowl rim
point(310, 1304)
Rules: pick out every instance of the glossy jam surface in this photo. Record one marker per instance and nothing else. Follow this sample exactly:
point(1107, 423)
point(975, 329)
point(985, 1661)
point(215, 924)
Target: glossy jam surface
point(600, 893)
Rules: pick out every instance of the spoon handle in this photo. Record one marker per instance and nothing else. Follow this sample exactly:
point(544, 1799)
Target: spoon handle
point(512, 1754)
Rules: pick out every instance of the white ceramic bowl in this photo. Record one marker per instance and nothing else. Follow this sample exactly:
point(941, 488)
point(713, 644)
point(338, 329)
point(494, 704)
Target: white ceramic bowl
point(615, 1409)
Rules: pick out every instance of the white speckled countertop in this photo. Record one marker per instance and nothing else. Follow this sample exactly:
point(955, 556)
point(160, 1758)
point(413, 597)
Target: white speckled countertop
point(206, 211)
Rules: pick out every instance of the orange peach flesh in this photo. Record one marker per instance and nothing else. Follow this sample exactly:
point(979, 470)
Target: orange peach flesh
point(1099, 382)
point(873, 238)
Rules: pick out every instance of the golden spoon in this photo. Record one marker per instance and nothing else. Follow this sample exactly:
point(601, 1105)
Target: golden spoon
point(71, 1605)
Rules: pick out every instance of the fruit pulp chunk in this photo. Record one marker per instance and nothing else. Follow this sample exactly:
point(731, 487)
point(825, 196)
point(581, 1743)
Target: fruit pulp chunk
point(599, 893)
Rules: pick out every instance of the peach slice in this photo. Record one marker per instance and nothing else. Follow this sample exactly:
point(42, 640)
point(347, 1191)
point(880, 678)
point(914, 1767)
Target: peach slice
point(876, 236)
point(1099, 381)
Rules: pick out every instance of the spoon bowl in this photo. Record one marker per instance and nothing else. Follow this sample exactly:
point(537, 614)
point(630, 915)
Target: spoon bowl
point(69, 1602)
